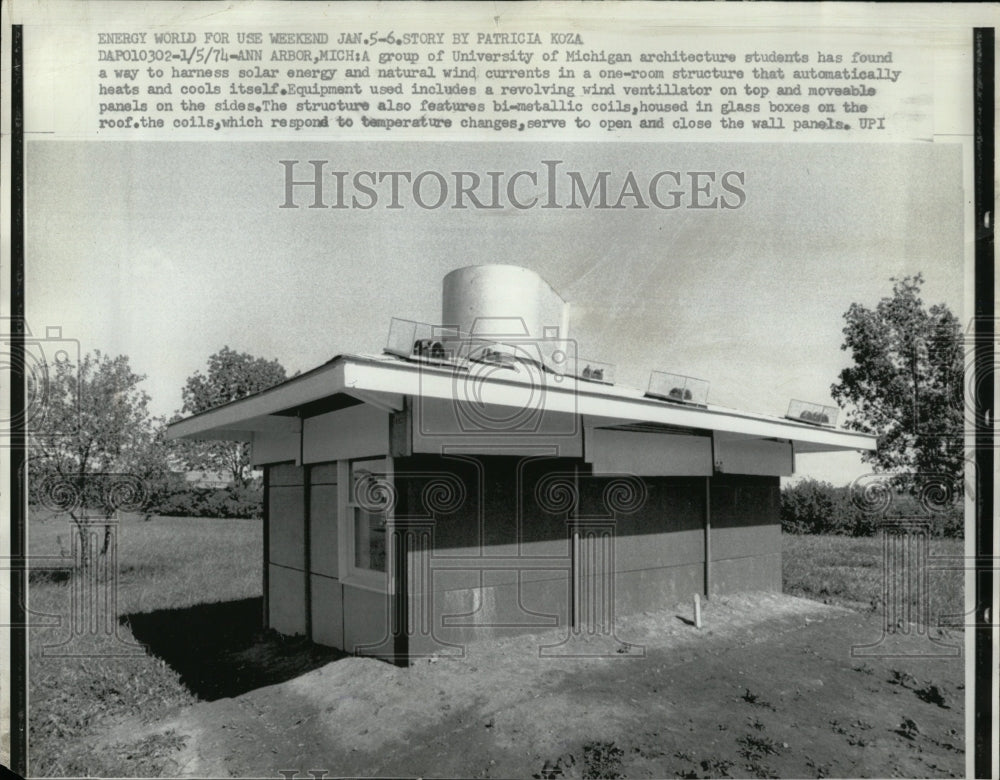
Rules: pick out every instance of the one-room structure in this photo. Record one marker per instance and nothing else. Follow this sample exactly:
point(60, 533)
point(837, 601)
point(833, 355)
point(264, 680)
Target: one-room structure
point(480, 477)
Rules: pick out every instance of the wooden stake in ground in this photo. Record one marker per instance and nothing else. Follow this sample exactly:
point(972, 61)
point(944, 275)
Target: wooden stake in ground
point(697, 611)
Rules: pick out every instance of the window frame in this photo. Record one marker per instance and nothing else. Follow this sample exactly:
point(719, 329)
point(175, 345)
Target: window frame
point(351, 574)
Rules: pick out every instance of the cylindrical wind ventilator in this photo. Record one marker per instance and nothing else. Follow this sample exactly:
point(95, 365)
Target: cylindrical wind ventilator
point(506, 304)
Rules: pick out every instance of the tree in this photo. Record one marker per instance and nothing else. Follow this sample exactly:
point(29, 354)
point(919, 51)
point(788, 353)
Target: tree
point(95, 447)
point(230, 376)
point(906, 384)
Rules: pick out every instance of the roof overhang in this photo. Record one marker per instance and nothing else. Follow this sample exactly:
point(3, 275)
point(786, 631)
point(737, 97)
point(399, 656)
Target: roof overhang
point(384, 382)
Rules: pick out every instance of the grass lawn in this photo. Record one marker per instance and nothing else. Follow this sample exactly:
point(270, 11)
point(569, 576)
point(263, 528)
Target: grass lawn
point(188, 629)
point(77, 687)
point(848, 571)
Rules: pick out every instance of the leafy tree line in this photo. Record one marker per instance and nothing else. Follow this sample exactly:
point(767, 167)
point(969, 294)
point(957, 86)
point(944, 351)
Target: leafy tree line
point(814, 507)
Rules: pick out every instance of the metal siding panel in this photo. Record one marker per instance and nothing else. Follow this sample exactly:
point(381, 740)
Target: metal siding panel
point(286, 526)
point(745, 516)
point(493, 430)
point(323, 474)
point(366, 617)
point(286, 600)
point(736, 575)
point(401, 432)
point(327, 612)
point(266, 557)
point(651, 589)
point(654, 551)
point(753, 456)
point(323, 530)
point(283, 474)
point(470, 614)
point(274, 447)
point(741, 542)
point(739, 500)
point(355, 432)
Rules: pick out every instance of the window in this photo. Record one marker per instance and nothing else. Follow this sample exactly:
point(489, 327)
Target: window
point(368, 506)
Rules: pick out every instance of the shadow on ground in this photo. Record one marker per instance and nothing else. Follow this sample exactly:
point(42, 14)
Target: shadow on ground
point(219, 650)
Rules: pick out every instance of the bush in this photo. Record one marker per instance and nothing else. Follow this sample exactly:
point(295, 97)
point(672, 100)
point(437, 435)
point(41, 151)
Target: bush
point(814, 507)
point(243, 502)
point(809, 507)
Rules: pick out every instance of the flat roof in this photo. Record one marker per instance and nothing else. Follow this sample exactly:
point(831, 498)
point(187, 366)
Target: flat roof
point(384, 380)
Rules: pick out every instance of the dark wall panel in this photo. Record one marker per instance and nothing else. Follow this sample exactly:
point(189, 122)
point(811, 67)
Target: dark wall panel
point(286, 519)
point(650, 589)
point(286, 578)
point(745, 500)
point(652, 551)
point(327, 611)
point(285, 474)
point(746, 541)
point(323, 474)
point(746, 525)
point(286, 600)
point(737, 575)
point(367, 622)
point(464, 616)
point(323, 529)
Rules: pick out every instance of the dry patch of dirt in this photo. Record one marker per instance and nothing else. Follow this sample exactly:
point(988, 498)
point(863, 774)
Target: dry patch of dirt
point(766, 688)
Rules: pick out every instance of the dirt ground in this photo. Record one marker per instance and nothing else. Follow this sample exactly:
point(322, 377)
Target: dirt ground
point(767, 688)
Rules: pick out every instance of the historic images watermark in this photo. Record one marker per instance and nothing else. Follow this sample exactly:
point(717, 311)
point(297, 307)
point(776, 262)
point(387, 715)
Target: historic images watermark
point(91, 619)
point(38, 361)
point(311, 184)
point(908, 629)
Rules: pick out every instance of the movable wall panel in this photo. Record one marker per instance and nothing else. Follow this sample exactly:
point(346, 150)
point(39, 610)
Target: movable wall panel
point(486, 521)
point(439, 424)
point(274, 448)
point(762, 457)
point(323, 542)
point(286, 553)
point(659, 540)
point(354, 432)
point(367, 624)
point(659, 523)
point(287, 525)
point(327, 606)
point(648, 454)
point(326, 591)
point(746, 533)
point(286, 600)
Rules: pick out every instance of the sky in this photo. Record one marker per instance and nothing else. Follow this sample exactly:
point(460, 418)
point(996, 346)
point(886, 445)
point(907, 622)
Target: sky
point(166, 252)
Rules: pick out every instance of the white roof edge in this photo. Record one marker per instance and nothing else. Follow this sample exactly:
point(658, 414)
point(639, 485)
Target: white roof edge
point(298, 390)
point(354, 373)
